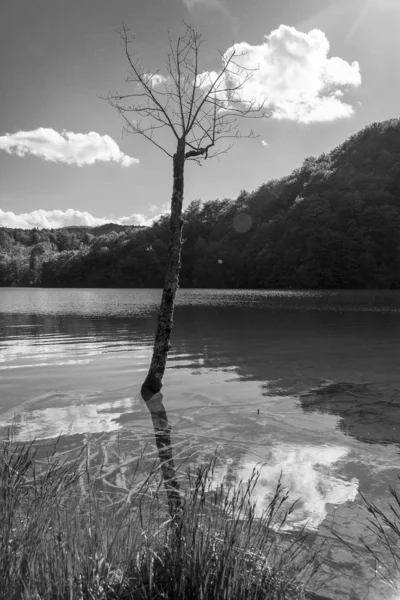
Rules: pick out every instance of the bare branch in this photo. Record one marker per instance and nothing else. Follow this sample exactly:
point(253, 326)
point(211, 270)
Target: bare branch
point(200, 108)
point(147, 133)
point(140, 78)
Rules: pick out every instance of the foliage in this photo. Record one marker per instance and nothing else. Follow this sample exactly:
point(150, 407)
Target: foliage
point(45, 257)
point(332, 223)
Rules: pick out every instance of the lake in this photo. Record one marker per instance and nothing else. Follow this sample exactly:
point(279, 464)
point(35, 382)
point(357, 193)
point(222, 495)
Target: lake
point(306, 383)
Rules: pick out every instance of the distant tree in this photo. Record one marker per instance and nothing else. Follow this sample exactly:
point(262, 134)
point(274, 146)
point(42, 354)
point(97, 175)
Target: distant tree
point(34, 236)
point(6, 241)
point(87, 239)
point(200, 109)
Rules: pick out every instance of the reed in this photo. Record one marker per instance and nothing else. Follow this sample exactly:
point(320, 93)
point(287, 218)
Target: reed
point(63, 536)
point(384, 547)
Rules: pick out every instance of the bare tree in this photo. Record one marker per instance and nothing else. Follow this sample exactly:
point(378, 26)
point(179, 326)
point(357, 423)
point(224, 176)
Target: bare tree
point(201, 109)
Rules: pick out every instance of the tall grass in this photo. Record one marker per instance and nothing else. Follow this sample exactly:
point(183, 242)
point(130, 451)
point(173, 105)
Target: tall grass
point(384, 524)
point(380, 544)
point(63, 536)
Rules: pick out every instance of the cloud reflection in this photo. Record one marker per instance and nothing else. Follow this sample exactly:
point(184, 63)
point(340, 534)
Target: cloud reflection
point(308, 472)
point(67, 414)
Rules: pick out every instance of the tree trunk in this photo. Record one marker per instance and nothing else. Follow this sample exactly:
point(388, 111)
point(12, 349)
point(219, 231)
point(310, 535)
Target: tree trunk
point(153, 381)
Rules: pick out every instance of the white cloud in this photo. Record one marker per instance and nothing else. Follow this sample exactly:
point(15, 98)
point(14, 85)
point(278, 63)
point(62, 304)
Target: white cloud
point(52, 219)
point(68, 147)
point(265, 144)
point(155, 79)
point(294, 75)
point(162, 209)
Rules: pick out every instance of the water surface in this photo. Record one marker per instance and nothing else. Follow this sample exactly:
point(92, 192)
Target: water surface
point(304, 382)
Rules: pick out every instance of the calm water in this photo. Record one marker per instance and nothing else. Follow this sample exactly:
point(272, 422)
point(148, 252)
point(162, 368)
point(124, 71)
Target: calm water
point(305, 382)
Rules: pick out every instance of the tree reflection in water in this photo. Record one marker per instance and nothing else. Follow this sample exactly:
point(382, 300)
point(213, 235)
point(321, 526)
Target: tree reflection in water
point(162, 432)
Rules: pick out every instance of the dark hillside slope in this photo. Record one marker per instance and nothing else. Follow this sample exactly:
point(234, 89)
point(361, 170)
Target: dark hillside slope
point(332, 223)
point(337, 218)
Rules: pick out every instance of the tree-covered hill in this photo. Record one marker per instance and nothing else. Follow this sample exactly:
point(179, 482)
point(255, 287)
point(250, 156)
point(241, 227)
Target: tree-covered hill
point(25, 253)
point(332, 223)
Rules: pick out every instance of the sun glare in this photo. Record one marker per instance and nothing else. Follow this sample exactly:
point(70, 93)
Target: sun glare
point(360, 17)
point(376, 5)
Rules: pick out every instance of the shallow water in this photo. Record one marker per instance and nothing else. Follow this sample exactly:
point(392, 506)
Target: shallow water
point(306, 383)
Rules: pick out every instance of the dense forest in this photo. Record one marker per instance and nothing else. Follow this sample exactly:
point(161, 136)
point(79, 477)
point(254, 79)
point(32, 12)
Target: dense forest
point(332, 223)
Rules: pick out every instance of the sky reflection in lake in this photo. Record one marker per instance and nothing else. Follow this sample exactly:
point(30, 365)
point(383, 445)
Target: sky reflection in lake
point(306, 383)
point(308, 471)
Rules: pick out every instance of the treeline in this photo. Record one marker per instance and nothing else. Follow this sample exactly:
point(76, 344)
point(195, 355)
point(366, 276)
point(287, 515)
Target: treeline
point(28, 257)
point(332, 223)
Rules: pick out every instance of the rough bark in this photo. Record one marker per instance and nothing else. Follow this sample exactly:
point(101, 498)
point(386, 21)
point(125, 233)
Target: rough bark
point(153, 381)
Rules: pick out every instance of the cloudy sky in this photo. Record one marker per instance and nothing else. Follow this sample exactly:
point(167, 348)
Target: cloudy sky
point(327, 67)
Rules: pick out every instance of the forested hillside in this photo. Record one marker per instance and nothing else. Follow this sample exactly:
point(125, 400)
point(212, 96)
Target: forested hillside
point(27, 255)
point(332, 223)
